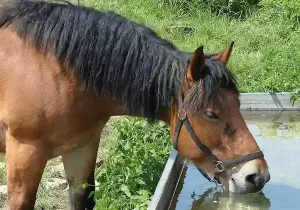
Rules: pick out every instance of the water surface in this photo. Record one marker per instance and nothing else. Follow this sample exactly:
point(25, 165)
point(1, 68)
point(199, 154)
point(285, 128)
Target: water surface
point(278, 135)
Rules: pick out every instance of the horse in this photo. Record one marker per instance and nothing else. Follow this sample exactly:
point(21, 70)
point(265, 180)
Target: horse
point(66, 69)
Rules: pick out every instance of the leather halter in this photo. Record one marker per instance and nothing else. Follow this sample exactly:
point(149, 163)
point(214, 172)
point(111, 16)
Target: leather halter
point(220, 166)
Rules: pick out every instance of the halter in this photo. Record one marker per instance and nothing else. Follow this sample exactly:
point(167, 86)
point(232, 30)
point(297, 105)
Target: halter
point(220, 166)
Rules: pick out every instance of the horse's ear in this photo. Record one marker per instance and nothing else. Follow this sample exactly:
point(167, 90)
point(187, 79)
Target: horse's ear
point(195, 70)
point(224, 56)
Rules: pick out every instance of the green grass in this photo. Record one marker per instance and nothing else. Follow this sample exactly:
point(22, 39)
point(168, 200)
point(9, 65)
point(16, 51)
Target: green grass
point(266, 57)
point(266, 53)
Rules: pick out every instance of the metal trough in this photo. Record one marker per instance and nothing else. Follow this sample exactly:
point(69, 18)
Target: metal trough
point(254, 107)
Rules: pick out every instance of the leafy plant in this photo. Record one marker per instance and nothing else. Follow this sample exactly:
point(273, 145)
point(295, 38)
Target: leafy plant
point(295, 95)
point(130, 174)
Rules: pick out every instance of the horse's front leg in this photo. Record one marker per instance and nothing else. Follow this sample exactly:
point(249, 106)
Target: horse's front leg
point(25, 163)
point(2, 138)
point(79, 167)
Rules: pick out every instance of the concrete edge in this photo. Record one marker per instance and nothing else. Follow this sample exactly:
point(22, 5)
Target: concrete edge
point(268, 102)
point(168, 182)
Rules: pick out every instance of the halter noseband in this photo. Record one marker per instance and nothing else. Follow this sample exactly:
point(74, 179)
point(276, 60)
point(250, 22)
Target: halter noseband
point(220, 166)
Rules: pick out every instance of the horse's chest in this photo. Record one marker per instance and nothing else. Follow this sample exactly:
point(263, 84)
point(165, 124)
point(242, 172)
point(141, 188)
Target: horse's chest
point(66, 144)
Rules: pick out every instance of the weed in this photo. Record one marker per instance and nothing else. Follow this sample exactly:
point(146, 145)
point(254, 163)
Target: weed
point(130, 173)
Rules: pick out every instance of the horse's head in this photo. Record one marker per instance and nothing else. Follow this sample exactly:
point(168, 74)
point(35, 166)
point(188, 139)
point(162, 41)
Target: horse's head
point(208, 128)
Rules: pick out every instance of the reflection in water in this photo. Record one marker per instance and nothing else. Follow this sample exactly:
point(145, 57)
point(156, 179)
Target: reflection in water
point(278, 136)
point(275, 126)
point(195, 193)
point(283, 197)
point(215, 199)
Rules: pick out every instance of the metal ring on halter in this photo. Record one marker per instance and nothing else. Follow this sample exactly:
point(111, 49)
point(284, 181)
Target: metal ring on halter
point(182, 118)
point(219, 168)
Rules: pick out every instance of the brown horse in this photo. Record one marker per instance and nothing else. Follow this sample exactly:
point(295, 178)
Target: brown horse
point(65, 69)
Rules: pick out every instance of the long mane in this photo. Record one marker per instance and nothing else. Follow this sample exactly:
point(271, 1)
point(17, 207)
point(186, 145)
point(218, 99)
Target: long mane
point(113, 55)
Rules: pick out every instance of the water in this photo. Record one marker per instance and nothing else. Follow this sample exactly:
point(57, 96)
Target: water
point(278, 135)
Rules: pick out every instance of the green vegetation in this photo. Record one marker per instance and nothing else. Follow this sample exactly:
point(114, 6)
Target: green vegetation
point(131, 171)
point(233, 8)
point(2, 170)
point(289, 9)
point(266, 57)
point(267, 48)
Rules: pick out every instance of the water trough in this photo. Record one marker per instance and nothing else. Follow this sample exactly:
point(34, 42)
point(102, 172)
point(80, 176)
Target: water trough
point(265, 107)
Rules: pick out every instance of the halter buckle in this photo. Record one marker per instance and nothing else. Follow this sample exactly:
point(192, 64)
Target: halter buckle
point(219, 168)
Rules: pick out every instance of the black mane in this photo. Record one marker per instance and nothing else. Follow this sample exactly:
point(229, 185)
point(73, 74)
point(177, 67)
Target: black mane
point(113, 55)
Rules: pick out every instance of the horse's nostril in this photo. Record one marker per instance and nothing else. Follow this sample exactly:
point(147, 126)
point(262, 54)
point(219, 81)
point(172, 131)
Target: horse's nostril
point(252, 178)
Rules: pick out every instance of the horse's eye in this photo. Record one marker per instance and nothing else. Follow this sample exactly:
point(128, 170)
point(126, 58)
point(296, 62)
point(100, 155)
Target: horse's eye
point(211, 115)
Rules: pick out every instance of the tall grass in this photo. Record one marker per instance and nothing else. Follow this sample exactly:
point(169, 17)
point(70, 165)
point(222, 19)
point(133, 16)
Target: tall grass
point(289, 9)
point(266, 52)
point(232, 8)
